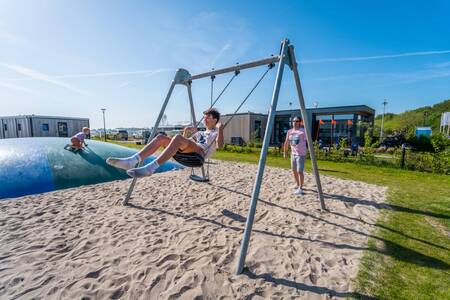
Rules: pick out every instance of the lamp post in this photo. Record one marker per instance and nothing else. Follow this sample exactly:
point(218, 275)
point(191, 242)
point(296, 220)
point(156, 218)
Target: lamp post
point(426, 113)
point(104, 124)
point(382, 120)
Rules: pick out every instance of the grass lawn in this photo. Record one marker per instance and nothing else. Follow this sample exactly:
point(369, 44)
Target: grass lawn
point(126, 144)
point(409, 256)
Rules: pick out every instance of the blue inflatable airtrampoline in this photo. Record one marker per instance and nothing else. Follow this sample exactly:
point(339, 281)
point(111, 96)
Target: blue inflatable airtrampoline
point(37, 165)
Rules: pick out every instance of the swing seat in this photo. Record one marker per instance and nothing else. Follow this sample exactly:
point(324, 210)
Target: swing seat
point(191, 160)
point(198, 178)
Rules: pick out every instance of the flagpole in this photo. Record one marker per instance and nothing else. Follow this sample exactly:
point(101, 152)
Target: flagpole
point(331, 133)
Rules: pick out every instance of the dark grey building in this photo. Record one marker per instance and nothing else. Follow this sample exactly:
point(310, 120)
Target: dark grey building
point(328, 124)
point(40, 126)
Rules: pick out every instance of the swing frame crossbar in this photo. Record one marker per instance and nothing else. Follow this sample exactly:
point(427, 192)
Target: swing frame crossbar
point(285, 57)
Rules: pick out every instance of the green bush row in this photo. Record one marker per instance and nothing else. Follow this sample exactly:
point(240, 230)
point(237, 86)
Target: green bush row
point(437, 162)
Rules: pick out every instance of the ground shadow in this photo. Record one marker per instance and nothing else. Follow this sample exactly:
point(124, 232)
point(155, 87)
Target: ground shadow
point(233, 216)
point(391, 249)
point(385, 206)
point(389, 229)
point(304, 287)
point(266, 277)
point(333, 171)
point(381, 205)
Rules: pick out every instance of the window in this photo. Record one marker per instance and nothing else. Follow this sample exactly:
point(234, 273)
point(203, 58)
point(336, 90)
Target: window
point(5, 127)
point(19, 127)
point(44, 127)
point(257, 129)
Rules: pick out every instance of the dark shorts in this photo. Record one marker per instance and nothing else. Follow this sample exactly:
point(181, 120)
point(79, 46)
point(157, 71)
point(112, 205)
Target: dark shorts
point(75, 142)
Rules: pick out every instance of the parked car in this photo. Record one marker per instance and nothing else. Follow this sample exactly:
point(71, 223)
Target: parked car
point(122, 135)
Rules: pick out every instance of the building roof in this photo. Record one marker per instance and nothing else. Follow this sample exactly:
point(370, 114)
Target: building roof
point(45, 117)
point(244, 113)
point(332, 109)
point(319, 110)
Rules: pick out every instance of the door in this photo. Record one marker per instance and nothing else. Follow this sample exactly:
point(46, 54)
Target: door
point(62, 129)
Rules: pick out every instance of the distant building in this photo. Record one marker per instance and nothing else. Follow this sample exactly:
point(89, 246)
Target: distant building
point(40, 126)
point(425, 131)
point(244, 127)
point(328, 125)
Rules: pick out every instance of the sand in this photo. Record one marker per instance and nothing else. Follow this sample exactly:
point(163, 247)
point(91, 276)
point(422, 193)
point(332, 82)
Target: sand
point(180, 239)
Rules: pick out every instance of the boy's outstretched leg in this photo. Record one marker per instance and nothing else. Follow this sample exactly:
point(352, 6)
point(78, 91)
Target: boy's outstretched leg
point(130, 162)
point(178, 143)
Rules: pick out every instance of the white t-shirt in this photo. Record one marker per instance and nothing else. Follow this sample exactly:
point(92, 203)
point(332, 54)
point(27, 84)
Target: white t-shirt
point(207, 140)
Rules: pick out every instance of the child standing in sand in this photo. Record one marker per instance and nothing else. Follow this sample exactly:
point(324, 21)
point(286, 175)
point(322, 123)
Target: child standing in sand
point(78, 139)
point(296, 138)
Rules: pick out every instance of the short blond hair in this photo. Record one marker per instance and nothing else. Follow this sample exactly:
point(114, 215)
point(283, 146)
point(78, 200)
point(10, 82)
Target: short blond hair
point(85, 129)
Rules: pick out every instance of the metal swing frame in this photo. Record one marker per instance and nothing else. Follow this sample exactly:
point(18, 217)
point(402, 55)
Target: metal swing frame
point(205, 175)
point(285, 57)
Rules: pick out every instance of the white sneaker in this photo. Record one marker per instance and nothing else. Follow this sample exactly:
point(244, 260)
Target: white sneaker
point(295, 187)
point(298, 191)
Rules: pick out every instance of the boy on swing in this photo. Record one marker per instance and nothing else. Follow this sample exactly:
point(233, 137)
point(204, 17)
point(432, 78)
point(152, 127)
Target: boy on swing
point(201, 142)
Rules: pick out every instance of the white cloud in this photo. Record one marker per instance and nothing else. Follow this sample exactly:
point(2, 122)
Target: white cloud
point(203, 41)
point(11, 38)
point(441, 65)
point(124, 84)
point(391, 77)
point(220, 53)
point(364, 58)
point(33, 74)
point(106, 74)
point(18, 88)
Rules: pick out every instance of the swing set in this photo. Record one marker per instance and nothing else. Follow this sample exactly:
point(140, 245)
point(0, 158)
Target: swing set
point(183, 77)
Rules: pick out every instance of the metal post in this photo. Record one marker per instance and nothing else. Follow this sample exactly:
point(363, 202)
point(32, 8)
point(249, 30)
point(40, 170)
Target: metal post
point(152, 135)
point(262, 159)
point(237, 67)
point(191, 104)
point(193, 120)
point(306, 124)
point(331, 133)
point(402, 162)
point(382, 120)
point(104, 124)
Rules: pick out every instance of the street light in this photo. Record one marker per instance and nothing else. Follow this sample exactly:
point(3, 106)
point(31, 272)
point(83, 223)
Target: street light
point(382, 120)
point(315, 104)
point(104, 124)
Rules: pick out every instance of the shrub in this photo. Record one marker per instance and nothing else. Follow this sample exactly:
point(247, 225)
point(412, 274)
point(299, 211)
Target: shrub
point(390, 150)
point(439, 142)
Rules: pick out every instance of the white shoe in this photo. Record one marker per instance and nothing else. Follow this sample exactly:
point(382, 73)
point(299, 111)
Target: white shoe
point(298, 192)
point(123, 163)
point(295, 187)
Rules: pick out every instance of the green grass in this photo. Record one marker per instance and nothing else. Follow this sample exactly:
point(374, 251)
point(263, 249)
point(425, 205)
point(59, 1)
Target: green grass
point(129, 145)
point(409, 255)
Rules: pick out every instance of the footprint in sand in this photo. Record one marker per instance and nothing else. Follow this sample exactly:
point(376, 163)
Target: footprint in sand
point(170, 257)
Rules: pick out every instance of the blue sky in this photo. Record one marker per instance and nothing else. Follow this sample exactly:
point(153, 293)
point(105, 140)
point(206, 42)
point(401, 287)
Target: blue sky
point(72, 58)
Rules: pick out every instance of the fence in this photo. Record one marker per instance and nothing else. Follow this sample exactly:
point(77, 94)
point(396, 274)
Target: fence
point(390, 157)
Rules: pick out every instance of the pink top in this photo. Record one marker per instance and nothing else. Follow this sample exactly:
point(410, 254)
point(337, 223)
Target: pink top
point(297, 140)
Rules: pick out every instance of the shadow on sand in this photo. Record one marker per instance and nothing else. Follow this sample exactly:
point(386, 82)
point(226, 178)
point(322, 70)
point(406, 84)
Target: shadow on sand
point(389, 249)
